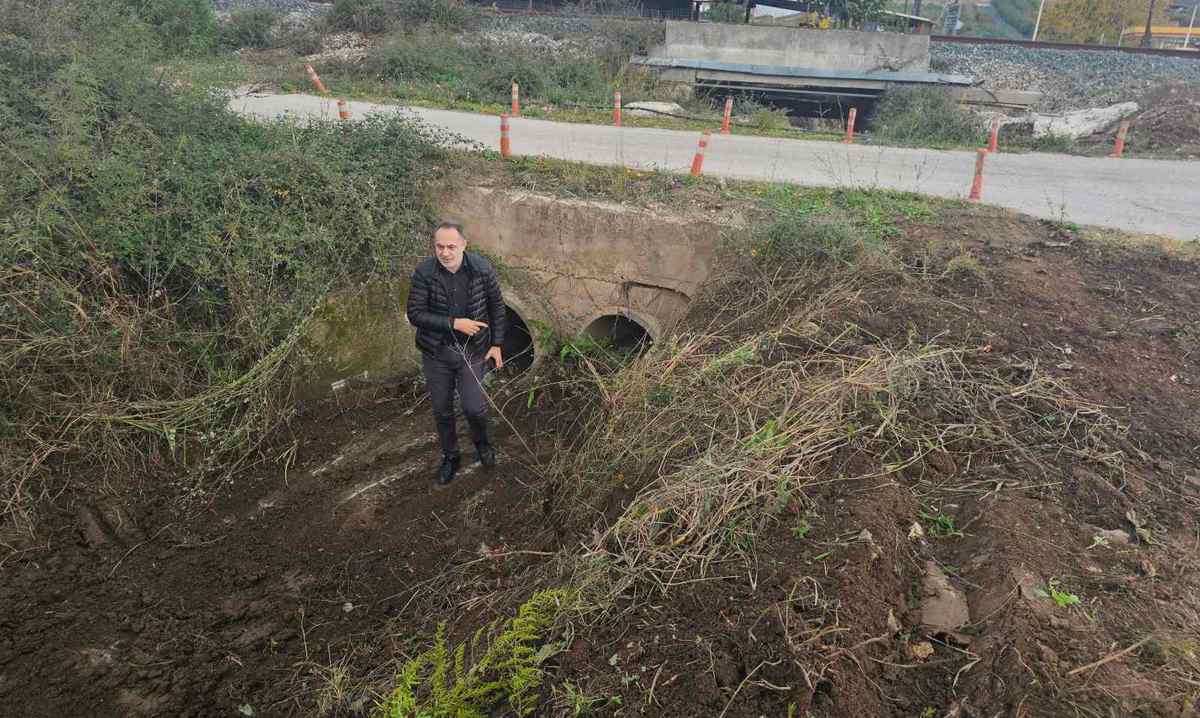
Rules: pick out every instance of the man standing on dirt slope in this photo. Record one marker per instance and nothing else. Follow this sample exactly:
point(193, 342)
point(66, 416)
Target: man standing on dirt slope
point(456, 306)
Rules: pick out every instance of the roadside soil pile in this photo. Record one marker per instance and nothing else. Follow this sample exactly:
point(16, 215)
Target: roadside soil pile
point(1170, 119)
point(935, 581)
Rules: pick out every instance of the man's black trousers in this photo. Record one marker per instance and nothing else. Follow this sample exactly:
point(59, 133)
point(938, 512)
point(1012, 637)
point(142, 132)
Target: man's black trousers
point(445, 371)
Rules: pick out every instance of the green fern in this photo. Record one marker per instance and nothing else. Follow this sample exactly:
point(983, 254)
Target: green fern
point(441, 683)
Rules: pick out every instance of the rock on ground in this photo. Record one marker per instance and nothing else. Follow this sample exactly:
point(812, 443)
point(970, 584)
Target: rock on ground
point(653, 109)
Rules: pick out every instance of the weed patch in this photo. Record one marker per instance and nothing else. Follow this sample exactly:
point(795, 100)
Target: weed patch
point(925, 117)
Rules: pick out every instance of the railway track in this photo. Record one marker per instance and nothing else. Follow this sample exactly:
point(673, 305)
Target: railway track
point(959, 39)
point(521, 7)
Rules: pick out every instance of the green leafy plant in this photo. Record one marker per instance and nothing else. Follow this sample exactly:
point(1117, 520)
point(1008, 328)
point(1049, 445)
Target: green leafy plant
point(577, 703)
point(940, 525)
point(580, 347)
point(443, 683)
point(768, 436)
point(1063, 599)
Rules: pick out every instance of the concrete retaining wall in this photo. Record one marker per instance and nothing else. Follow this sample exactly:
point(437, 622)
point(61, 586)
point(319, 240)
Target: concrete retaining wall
point(588, 259)
point(795, 47)
point(563, 264)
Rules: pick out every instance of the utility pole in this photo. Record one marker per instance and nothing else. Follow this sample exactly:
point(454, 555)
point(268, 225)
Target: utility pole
point(1149, 17)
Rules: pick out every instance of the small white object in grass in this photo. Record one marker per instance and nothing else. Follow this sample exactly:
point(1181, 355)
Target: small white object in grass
point(347, 607)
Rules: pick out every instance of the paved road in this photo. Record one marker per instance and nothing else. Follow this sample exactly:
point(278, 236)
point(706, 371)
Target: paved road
point(1148, 196)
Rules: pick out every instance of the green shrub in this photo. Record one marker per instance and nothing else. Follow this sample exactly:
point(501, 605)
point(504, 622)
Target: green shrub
point(183, 25)
point(426, 57)
point(495, 80)
point(360, 16)
point(374, 16)
point(446, 14)
point(1054, 143)
point(1020, 14)
point(798, 238)
point(726, 12)
point(925, 116)
point(302, 40)
point(577, 81)
point(251, 27)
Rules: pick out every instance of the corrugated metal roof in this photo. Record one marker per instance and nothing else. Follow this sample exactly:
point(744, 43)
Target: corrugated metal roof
point(932, 78)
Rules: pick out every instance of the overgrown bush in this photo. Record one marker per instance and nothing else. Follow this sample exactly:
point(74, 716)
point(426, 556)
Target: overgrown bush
point(797, 239)
point(375, 16)
point(1020, 14)
point(726, 12)
point(611, 8)
point(251, 27)
point(159, 256)
point(446, 14)
point(1053, 142)
point(184, 25)
point(360, 16)
point(925, 116)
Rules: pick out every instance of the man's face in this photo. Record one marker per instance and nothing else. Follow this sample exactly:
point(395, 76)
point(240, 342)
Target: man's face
point(448, 246)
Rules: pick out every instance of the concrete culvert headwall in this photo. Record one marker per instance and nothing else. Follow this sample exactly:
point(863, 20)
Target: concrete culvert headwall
point(567, 268)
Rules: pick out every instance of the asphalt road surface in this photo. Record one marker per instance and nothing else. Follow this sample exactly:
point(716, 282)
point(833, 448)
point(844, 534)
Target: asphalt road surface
point(1146, 196)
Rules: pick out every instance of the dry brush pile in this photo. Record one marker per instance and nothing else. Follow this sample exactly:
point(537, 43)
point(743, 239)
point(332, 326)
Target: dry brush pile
point(724, 431)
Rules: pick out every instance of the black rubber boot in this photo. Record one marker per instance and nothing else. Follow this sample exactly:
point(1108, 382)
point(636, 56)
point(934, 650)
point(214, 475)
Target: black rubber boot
point(445, 472)
point(487, 455)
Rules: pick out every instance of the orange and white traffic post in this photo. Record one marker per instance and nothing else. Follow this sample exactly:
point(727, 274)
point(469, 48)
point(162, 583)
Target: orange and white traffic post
point(343, 110)
point(849, 138)
point(977, 185)
point(316, 80)
point(617, 108)
point(698, 160)
point(1119, 148)
point(505, 142)
point(728, 114)
point(516, 100)
point(994, 135)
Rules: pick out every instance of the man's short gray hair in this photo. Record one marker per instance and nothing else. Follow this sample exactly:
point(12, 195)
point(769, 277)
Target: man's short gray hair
point(450, 224)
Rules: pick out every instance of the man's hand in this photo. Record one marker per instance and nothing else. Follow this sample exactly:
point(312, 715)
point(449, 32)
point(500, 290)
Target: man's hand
point(494, 353)
point(470, 327)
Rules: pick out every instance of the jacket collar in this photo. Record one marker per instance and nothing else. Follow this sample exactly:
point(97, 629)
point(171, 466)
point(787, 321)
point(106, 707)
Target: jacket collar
point(466, 264)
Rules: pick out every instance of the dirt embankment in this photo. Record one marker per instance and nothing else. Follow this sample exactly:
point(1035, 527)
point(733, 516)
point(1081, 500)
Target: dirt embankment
point(283, 598)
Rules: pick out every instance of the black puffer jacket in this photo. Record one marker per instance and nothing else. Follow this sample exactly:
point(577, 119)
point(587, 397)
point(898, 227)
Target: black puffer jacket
point(429, 304)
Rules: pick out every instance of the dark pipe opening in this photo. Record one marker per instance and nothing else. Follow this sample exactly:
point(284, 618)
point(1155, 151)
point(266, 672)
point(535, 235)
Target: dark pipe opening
point(518, 344)
point(619, 332)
